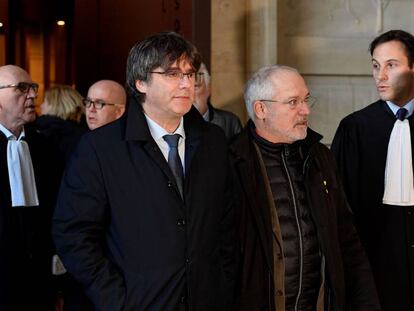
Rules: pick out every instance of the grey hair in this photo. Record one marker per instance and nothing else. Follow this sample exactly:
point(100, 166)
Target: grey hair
point(260, 86)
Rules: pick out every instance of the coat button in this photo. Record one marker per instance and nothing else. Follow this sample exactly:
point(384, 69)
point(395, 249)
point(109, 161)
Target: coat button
point(180, 222)
point(279, 292)
point(169, 184)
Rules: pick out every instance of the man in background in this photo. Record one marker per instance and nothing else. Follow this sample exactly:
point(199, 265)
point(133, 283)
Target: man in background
point(228, 121)
point(105, 103)
point(374, 148)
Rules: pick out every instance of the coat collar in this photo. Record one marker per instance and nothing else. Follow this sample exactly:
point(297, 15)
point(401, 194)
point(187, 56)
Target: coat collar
point(136, 127)
point(247, 163)
point(243, 142)
point(136, 130)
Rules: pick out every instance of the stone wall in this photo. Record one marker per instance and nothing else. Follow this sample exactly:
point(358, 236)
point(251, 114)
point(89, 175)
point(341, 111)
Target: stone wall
point(326, 40)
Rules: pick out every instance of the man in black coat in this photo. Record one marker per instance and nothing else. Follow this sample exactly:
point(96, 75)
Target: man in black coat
point(138, 232)
point(299, 247)
point(374, 151)
point(30, 174)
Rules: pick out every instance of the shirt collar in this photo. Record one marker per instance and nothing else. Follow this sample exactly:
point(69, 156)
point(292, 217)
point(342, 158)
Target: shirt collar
point(206, 115)
point(157, 132)
point(409, 106)
point(9, 134)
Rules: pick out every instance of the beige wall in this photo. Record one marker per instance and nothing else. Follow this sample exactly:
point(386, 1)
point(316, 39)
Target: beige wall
point(228, 54)
point(326, 40)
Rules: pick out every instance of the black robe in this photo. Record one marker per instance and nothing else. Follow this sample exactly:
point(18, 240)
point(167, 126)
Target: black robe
point(360, 146)
point(26, 248)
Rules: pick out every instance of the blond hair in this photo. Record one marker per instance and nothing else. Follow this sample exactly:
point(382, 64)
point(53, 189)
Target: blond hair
point(64, 102)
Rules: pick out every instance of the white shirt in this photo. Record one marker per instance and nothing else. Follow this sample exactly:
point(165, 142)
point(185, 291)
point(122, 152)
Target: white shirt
point(20, 168)
point(157, 133)
point(398, 177)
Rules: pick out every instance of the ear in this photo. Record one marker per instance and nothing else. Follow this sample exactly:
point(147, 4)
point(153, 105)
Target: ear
point(259, 109)
point(120, 111)
point(141, 86)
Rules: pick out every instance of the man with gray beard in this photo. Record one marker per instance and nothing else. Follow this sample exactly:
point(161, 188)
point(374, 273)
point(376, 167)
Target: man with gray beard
point(299, 247)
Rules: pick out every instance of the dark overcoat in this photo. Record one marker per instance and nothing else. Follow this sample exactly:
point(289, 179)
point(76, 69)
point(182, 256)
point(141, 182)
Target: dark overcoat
point(123, 230)
point(347, 278)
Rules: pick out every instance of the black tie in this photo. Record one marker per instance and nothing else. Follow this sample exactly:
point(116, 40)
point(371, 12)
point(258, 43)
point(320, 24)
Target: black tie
point(174, 160)
point(401, 113)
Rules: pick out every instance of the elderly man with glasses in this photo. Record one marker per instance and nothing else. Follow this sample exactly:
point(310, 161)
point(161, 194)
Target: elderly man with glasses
point(300, 250)
point(30, 174)
point(144, 218)
point(105, 103)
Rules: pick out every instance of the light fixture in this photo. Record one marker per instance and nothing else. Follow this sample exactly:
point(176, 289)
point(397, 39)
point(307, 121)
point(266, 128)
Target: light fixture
point(1, 24)
point(61, 23)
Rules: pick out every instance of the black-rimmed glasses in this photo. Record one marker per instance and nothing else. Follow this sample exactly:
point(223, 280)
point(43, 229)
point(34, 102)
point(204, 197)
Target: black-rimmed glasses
point(97, 103)
point(295, 102)
point(23, 87)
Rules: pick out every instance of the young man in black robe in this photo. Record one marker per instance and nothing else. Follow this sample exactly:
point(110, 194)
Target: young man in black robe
point(374, 153)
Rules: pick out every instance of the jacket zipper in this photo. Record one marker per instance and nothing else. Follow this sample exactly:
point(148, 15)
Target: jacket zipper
point(299, 231)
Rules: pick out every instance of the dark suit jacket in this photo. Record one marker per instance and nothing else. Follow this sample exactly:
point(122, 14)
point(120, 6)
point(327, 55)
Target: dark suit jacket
point(25, 241)
point(123, 230)
point(227, 120)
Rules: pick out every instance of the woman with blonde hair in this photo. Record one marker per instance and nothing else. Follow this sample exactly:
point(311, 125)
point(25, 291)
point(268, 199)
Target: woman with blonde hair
point(60, 120)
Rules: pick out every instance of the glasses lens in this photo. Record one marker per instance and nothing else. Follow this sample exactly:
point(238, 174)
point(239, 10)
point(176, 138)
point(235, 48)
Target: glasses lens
point(99, 104)
point(86, 102)
point(25, 87)
point(35, 87)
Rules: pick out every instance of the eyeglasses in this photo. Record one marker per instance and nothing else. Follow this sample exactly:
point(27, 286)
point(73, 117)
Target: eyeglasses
point(199, 78)
point(295, 102)
point(97, 104)
point(176, 75)
point(23, 87)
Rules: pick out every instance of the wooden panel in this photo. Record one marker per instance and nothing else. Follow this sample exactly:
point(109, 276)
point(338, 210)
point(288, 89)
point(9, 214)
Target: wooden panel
point(202, 29)
point(105, 31)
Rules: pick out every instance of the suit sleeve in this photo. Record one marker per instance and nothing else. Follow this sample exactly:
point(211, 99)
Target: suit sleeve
point(228, 237)
point(360, 289)
point(79, 229)
point(361, 292)
point(346, 152)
